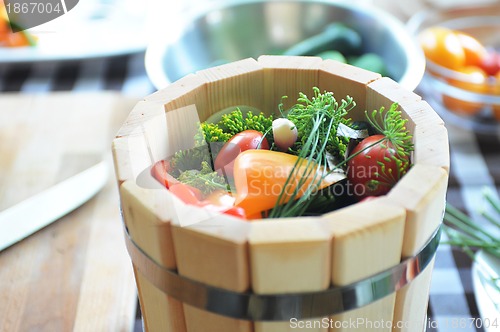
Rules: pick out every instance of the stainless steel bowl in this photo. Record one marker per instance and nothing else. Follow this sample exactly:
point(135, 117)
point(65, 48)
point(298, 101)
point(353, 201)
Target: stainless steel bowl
point(237, 29)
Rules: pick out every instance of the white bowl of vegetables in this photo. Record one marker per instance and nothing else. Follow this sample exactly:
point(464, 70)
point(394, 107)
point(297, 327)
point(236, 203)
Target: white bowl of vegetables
point(279, 179)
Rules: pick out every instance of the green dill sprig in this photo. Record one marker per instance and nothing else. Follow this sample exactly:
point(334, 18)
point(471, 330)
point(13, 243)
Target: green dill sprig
point(464, 232)
point(387, 175)
point(205, 179)
point(393, 127)
point(303, 115)
point(312, 161)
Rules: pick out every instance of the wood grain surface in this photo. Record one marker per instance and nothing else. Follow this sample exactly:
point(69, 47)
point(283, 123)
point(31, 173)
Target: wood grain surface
point(74, 274)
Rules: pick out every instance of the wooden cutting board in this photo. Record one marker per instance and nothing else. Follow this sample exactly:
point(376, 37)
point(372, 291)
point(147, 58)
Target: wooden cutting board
point(75, 274)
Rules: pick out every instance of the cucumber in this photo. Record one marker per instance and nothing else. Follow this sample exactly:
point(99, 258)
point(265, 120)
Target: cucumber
point(332, 55)
point(336, 37)
point(371, 62)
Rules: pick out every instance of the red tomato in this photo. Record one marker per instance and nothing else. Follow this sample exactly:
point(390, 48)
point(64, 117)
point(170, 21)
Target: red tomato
point(491, 63)
point(246, 140)
point(186, 193)
point(223, 202)
point(374, 170)
point(160, 172)
point(368, 198)
point(442, 46)
point(234, 211)
point(221, 198)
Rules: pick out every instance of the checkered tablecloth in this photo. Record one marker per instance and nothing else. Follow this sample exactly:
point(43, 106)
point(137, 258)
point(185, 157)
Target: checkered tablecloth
point(475, 163)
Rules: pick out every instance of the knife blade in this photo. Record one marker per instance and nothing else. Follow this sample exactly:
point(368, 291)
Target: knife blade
point(28, 216)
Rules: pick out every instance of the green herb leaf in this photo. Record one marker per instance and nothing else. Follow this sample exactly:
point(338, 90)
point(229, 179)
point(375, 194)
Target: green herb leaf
point(205, 179)
point(393, 127)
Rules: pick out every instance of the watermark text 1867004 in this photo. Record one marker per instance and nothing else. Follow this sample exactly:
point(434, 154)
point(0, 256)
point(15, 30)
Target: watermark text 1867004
point(25, 14)
point(381, 324)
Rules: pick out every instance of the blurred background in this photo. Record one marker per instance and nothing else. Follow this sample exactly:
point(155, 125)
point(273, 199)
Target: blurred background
point(67, 85)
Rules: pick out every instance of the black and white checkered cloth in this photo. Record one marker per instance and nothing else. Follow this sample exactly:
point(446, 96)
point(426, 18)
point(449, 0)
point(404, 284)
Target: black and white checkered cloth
point(125, 74)
point(475, 163)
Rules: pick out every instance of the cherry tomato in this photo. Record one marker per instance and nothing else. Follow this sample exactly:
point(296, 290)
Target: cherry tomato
point(368, 198)
point(234, 211)
point(476, 82)
point(246, 140)
point(442, 46)
point(375, 167)
point(186, 193)
point(474, 51)
point(491, 63)
point(16, 39)
point(160, 172)
point(220, 198)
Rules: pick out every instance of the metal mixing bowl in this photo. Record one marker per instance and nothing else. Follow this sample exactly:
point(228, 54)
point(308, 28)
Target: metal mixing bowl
point(237, 29)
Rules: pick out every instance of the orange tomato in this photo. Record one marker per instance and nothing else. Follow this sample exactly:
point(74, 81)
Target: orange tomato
point(475, 83)
point(15, 39)
point(474, 51)
point(4, 31)
point(496, 109)
point(442, 46)
point(4, 26)
point(496, 112)
point(495, 85)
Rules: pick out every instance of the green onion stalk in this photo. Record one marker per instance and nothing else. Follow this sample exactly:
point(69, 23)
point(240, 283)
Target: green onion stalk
point(466, 234)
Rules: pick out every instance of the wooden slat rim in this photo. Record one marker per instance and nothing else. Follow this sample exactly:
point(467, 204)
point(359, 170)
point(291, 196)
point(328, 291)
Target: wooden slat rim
point(372, 86)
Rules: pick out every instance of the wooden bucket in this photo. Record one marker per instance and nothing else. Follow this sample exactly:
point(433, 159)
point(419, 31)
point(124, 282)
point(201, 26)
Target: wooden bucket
point(189, 274)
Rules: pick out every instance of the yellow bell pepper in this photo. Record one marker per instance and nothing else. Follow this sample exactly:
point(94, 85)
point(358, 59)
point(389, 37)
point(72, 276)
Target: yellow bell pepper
point(261, 175)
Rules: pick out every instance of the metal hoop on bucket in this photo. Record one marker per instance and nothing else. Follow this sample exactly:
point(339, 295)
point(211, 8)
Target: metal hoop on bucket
point(282, 307)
